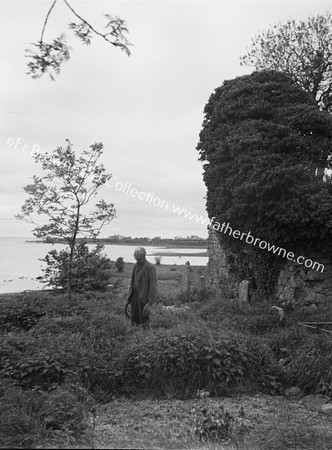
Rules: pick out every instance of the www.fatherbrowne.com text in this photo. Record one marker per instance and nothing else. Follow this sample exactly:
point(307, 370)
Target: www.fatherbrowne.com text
point(150, 198)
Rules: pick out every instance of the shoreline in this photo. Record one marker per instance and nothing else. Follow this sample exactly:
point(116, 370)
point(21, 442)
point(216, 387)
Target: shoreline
point(163, 244)
point(127, 263)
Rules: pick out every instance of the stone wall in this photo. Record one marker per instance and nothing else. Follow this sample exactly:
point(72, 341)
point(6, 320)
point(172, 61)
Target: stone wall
point(296, 284)
point(220, 276)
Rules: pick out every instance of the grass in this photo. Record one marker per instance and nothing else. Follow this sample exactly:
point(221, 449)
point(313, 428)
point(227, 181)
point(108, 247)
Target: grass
point(60, 363)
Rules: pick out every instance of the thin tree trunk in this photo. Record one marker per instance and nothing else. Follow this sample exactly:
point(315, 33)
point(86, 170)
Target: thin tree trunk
point(71, 256)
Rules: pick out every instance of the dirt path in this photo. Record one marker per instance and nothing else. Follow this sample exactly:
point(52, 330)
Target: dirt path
point(265, 423)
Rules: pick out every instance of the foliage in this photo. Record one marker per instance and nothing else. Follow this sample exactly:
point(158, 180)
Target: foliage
point(49, 57)
point(213, 424)
point(265, 146)
point(262, 142)
point(12, 317)
point(302, 50)
point(310, 366)
point(168, 316)
point(87, 348)
point(90, 269)
point(119, 264)
point(41, 361)
point(257, 319)
point(34, 418)
point(63, 195)
point(182, 360)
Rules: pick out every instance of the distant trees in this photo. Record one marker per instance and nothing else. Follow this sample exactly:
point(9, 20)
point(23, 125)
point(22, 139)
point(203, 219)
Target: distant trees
point(47, 58)
point(63, 197)
point(265, 145)
point(302, 50)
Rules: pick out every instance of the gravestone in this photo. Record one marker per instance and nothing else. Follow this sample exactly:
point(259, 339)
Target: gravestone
point(244, 291)
point(203, 284)
point(185, 281)
point(197, 279)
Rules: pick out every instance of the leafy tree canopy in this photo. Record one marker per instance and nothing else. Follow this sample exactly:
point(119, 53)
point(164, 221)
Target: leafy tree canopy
point(301, 49)
point(265, 145)
point(60, 200)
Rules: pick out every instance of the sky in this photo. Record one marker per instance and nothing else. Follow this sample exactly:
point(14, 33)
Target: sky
point(146, 109)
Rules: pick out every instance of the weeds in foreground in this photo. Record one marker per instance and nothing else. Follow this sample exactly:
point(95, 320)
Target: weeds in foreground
point(203, 344)
point(37, 418)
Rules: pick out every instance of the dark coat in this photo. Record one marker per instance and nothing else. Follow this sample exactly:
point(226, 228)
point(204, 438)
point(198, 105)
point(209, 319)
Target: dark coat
point(146, 283)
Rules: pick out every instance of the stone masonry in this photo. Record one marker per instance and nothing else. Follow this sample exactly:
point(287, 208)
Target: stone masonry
point(296, 284)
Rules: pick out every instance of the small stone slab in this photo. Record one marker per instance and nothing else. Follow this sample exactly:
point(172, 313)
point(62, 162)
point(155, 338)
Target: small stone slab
point(314, 401)
point(327, 408)
point(293, 392)
point(244, 291)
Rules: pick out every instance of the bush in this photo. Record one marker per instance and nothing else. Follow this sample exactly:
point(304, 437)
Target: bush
point(90, 269)
point(30, 419)
point(16, 316)
point(182, 360)
point(119, 264)
point(42, 361)
point(214, 424)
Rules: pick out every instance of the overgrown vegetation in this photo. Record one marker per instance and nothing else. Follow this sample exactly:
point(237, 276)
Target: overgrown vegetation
point(90, 269)
point(59, 360)
point(265, 146)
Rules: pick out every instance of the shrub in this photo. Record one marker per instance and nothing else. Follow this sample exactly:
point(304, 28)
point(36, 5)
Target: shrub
point(213, 424)
point(42, 361)
point(90, 269)
point(181, 360)
point(119, 264)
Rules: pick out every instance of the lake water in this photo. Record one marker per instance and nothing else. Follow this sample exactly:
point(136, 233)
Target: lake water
point(20, 265)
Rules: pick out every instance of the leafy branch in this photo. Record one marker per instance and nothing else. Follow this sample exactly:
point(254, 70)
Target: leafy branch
point(47, 58)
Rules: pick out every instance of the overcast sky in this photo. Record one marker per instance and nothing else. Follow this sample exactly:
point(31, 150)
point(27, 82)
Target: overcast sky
point(147, 109)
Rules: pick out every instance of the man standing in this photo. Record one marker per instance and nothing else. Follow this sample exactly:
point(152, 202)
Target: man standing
point(142, 289)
